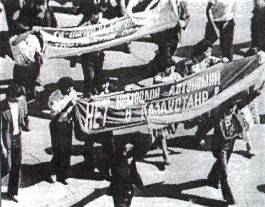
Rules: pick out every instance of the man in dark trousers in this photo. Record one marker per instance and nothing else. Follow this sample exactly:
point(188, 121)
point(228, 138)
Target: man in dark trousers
point(14, 119)
point(257, 28)
point(220, 25)
point(61, 103)
point(92, 63)
point(226, 130)
point(124, 175)
point(168, 40)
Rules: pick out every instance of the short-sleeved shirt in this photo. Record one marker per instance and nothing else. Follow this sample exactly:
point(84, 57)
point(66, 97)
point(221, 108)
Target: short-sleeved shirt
point(223, 10)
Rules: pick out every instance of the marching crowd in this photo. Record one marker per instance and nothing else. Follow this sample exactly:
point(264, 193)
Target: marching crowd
point(17, 20)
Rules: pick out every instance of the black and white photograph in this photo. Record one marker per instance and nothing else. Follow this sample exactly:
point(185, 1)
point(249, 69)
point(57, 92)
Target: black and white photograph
point(132, 103)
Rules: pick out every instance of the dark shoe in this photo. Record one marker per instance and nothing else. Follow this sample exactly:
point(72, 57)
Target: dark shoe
point(62, 181)
point(12, 198)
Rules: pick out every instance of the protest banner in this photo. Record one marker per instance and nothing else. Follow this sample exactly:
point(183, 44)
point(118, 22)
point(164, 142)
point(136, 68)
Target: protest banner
point(167, 104)
point(65, 42)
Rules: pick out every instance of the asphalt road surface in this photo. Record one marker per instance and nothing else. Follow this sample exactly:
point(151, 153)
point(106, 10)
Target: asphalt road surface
point(176, 185)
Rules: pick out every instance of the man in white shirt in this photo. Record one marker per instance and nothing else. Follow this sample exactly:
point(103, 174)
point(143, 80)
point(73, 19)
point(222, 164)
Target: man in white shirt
point(61, 103)
point(14, 119)
point(220, 25)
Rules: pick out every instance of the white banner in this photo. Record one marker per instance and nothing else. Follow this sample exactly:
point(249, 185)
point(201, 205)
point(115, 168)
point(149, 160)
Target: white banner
point(64, 42)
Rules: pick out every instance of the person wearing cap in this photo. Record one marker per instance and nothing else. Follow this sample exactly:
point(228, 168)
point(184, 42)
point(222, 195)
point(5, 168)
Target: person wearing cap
point(13, 120)
point(124, 176)
point(220, 25)
point(61, 103)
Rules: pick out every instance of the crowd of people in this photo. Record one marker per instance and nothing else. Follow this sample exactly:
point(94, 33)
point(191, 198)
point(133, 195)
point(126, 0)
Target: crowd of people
point(17, 20)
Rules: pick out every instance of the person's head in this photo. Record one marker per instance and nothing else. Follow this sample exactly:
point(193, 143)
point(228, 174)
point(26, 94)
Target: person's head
point(65, 85)
point(13, 92)
point(39, 7)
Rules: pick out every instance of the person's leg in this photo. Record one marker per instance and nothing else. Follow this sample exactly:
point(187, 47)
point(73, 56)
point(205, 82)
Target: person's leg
point(15, 172)
point(226, 40)
point(213, 176)
point(224, 158)
point(210, 36)
point(99, 76)
point(89, 75)
point(108, 151)
point(65, 135)
point(254, 31)
point(165, 151)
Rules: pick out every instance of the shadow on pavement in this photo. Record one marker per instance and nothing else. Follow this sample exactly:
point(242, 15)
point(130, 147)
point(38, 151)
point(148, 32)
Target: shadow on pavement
point(175, 192)
point(33, 174)
point(93, 196)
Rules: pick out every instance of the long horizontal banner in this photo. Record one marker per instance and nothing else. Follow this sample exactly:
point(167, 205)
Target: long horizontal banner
point(64, 42)
point(164, 104)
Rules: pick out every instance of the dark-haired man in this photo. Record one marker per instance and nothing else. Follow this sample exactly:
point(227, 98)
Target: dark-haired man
point(61, 103)
point(14, 119)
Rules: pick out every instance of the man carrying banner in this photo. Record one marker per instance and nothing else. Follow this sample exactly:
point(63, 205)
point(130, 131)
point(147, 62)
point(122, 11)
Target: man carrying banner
point(168, 40)
point(61, 103)
point(29, 14)
point(220, 25)
point(92, 63)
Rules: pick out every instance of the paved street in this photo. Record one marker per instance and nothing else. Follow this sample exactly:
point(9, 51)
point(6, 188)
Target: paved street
point(179, 184)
